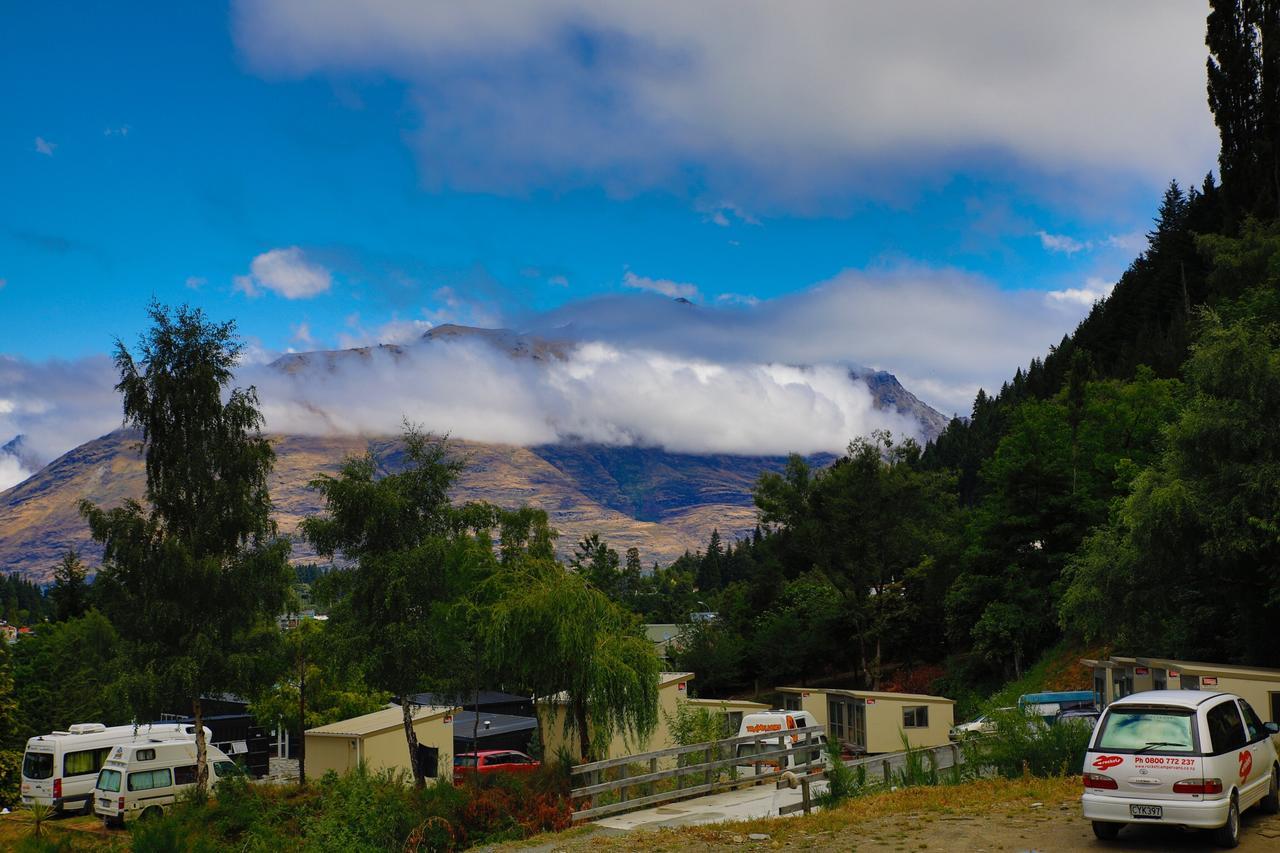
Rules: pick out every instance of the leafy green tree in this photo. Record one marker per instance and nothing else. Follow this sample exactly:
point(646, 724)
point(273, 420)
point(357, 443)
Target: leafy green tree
point(70, 591)
point(192, 579)
point(598, 563)
point(315, 688)
point(413, 556)
point(867, 523)
point(71, 672)
point(554, 634)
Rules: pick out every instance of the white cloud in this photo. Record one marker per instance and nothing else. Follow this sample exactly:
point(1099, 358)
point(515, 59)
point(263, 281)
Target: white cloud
point(302, 334)
point(1062, 243)
point(120, 130)
point(666, 287)
point(286, 272)
point(195, 282)
point(1134, 241)
point(737, 299)
point(44, 147)
point(1094, 289)
point(795, 102)
point(395, 331)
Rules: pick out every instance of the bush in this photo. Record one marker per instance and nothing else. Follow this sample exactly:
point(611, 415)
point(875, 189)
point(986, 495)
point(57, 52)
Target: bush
point(362, 812)
point(843, 781)
point(10, 777)
point(1023, 743)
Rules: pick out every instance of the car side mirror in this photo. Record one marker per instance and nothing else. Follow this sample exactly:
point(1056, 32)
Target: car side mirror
point(1273, 728)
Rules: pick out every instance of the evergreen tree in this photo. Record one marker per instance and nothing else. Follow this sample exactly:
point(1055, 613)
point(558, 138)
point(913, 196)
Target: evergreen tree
point(70, 592)
point(710, 576)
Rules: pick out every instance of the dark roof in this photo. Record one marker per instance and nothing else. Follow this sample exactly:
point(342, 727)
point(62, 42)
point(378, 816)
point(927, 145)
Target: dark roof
point(486, 697)
point(464, 722)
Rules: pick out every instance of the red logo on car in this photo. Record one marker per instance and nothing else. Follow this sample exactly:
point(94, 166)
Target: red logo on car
point(1106, 762)
point(1246, 763)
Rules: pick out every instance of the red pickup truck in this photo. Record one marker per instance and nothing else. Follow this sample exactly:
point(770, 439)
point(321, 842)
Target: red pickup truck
point(492, 761)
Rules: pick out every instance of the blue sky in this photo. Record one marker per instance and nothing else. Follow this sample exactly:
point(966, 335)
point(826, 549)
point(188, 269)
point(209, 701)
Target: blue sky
point(939, 190)
point(157, 149)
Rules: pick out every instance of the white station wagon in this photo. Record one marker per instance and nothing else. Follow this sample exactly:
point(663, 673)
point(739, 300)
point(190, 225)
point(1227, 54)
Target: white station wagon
point(1179, 757)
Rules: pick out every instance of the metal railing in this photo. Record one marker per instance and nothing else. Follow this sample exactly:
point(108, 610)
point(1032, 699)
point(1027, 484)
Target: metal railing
point(705, 773)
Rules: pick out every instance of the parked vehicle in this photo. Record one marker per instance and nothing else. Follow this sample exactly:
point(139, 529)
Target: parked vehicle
point(984, 725)
point(773, 724)
point(488, 761)
point(59, 769)
point(1078, 717)
point(1187, 758)
point(1047, 705)
point(141, 779)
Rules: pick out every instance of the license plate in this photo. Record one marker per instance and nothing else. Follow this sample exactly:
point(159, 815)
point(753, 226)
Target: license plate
point(104, 801)
point(1146, 811)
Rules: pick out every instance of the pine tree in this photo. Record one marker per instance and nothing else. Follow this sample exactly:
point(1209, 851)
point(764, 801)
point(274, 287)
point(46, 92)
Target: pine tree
point(70, 592)
point(711, 569)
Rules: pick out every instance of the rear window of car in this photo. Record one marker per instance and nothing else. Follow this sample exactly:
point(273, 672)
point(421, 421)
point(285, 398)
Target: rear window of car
point(109, 780)
point(1150, 729)
point(464, 761)
point(37, 765)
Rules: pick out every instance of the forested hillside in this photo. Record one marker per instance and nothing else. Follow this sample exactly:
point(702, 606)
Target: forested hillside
point(1123, 490)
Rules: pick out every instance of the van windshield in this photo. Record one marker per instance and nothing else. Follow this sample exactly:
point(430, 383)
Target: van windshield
point(109, 780)
point(1163, 729)
point(37, 765)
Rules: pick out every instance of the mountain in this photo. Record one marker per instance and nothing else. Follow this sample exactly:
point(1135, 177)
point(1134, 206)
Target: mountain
point(660, 502)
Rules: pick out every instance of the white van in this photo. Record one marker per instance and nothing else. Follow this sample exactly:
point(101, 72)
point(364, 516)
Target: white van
point(142, 779)
point(1189, 758)
point(773, 724)
point(59, 769)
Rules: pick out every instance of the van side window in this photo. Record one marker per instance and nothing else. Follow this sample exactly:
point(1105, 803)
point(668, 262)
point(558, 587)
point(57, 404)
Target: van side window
point(146, 780)
point(145, 755)
point(1257, 731)
point(184, 775)
point(84, 762)
point(1226, 729)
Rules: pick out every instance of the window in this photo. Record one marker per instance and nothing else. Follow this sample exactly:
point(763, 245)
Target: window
point(184, 775)
point(1251, 722)
point(1159, 679)
point(84, 762)
point(791, 702)
point(37, 765)
point(109, 780)
point(1141, 728)
point(464, 761)
point(1226, 729)
point(147, 780)
point(915, 717)
point(145, 755)
point(223, 769)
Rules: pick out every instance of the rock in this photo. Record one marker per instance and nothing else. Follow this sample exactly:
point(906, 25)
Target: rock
point(758, 836)
point(1037, 805)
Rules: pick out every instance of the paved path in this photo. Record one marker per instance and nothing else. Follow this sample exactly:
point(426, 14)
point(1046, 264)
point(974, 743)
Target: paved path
point(758, 801)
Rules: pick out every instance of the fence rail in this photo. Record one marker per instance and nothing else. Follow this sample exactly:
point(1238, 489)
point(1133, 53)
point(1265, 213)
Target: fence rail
point(766, 754)
point(942, 757)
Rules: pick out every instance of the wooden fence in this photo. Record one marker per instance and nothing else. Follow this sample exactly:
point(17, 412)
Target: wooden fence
point(767, 761)
point(881, 767)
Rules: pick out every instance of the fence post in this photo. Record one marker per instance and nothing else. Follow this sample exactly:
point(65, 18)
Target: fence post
point(653, 768)
point(888, 776)
point(712, 750)
point(623, 772)
point(804, 793)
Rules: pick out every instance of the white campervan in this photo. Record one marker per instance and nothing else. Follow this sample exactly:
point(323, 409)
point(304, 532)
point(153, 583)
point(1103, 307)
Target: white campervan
point(140, 779)
point(59, 769)
point(772, 725)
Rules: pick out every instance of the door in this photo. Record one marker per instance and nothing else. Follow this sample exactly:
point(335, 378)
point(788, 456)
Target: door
point(1260, 761)
point(429, 760)
point(1275, 707)
point(1231, 760)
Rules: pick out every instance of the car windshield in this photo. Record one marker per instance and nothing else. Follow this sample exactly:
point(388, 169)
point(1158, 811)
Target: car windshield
point(109, 780)
point(1165, 729)
point(464, 761)
point(37, 765)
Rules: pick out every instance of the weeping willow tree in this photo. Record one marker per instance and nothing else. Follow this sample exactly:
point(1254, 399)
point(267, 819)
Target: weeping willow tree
point(560, 637)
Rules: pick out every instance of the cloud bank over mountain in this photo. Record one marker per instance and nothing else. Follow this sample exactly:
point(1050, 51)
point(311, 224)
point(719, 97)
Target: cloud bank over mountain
point(642, 369)
point(773, 104)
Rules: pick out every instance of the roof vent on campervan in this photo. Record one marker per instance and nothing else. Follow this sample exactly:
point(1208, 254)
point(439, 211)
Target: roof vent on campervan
point(87, 728)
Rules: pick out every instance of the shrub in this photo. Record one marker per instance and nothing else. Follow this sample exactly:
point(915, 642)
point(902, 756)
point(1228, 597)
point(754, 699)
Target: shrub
point(843, 781)
point(1023, 743)
point(10, 777)
point(361, 812)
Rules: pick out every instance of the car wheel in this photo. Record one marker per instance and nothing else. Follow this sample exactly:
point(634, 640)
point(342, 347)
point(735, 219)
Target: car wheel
point(1106, 831)
point(87, 811)
point(151, 813)
point(1271, 802)
point(1229, 834)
